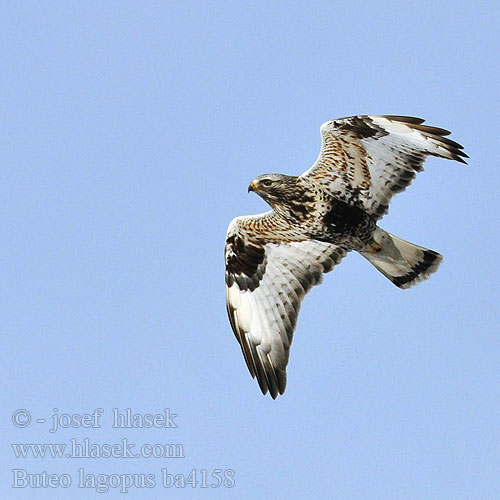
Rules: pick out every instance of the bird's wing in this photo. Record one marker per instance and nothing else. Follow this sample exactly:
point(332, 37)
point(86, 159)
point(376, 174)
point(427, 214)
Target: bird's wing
point(265, 284)
point(367, 159)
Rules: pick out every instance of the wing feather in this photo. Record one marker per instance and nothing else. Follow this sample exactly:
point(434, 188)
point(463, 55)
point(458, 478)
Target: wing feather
point(263, 316)
point(367, 159)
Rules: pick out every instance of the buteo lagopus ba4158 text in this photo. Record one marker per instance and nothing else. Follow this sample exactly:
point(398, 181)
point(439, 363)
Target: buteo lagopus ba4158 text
point(273, 259)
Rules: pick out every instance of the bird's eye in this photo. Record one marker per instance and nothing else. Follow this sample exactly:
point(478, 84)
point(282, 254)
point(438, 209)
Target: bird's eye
point(267, 183)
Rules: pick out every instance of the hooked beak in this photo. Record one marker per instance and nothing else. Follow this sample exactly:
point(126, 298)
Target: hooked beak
point(252, 187)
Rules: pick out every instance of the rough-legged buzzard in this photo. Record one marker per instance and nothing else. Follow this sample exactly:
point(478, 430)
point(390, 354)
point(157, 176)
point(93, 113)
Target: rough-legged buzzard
point(273, 259)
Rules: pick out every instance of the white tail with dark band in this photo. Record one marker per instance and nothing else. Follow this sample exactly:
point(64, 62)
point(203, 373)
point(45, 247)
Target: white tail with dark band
point(404, 263)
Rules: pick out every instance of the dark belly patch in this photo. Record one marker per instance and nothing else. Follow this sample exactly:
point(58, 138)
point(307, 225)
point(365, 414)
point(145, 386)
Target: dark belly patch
point(344, 218)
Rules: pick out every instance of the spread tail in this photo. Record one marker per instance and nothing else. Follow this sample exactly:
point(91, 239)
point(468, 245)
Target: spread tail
point(404, 263)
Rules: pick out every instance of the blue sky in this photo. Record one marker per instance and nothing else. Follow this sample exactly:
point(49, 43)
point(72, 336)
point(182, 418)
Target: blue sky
point(129, 133)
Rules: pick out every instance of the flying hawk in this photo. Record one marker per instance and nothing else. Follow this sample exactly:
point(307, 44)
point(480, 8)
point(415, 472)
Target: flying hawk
point(273, 259)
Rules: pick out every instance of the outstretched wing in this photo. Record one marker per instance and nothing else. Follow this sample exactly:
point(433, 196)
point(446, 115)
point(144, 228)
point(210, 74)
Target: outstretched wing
point(367, 159)
point(265, 284)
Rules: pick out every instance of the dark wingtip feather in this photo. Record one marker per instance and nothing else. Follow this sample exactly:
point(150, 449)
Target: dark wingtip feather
point(455, 148)
point(450, 142)
point(416, 123)
point(428, 129)
point(405, 119)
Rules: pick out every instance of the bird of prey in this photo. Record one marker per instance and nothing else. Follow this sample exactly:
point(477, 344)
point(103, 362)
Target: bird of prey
point(274, 258)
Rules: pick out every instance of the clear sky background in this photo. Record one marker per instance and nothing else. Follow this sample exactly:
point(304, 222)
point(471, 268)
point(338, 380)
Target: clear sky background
point(129, 134)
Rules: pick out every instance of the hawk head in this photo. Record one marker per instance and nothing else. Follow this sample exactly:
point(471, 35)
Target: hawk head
point(274, 189)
